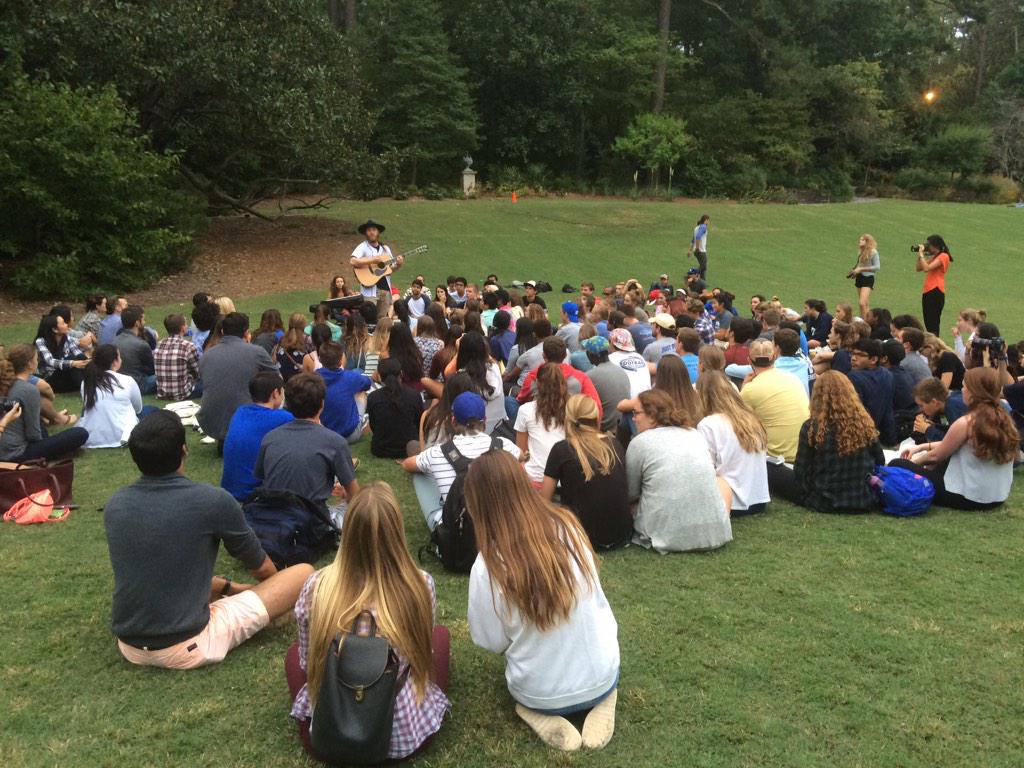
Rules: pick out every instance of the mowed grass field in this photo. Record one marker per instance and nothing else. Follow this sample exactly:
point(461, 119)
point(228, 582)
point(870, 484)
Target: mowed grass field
point(809, 640)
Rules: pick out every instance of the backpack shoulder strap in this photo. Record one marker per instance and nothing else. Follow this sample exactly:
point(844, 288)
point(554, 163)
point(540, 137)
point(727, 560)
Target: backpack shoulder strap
point(459, 462)
point(496, 444)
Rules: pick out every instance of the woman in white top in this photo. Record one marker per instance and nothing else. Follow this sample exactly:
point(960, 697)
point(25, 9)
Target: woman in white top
point(967, 323)
point(736, 440)
point(535, 596)
point(972, 467)
point(473, 357)
point(540, 423)
point(683, 505)
point(112, 403)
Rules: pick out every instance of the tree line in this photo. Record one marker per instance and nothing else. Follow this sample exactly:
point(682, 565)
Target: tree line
point(165, 111)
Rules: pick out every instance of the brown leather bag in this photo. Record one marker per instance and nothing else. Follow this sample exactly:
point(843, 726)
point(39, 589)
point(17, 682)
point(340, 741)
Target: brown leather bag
point(20, 480)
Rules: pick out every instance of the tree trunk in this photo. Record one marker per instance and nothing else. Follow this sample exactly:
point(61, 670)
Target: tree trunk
point(660, 69)
point(334, 13)
point(979, 83)
point(350, 15)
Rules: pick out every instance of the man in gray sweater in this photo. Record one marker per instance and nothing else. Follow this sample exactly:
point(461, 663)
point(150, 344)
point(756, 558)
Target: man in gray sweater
point(164, 533)
point(226, 371)
point(136, 354)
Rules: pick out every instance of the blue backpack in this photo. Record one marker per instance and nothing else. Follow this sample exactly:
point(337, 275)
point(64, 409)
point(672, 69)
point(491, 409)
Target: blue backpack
point(291, 529)
point(901, 492)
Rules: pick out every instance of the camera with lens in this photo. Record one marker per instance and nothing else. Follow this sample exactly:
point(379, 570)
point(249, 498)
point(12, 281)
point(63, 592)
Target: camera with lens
point(6, 405)
point(996, 347)
point(915, 248)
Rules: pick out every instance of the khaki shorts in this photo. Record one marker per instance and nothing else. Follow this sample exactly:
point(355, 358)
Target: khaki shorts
point(233, 620)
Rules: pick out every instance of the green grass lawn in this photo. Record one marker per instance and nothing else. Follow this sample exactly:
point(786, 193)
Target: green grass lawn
point(810, 640)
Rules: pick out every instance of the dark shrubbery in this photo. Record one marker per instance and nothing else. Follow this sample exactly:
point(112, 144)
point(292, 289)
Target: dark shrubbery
point(85, 204)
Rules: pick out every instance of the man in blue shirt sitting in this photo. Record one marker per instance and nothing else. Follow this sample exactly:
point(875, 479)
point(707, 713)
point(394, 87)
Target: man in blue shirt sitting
point(875, 386)
point(246, 431)
point(344, 404)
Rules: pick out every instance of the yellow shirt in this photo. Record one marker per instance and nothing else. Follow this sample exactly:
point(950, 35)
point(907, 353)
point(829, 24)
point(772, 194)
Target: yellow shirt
point(781, 403)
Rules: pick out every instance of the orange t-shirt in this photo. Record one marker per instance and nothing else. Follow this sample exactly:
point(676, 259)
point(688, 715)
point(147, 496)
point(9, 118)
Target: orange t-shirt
point(937, 277)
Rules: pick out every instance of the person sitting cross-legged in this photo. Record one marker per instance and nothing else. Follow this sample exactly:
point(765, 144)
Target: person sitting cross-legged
point(226, 371)
point(778, 398)
point(373, 572)
point(433, 474)
point(345, 404)
point(136, 354)
point(163, 533)
point(304, 457)
point(837, 454)
point(250, 424)
point(874, 383)
point(176, 362)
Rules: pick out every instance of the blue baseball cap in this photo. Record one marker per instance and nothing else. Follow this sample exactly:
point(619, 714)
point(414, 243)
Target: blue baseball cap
point(572, 311)
point(469, 406)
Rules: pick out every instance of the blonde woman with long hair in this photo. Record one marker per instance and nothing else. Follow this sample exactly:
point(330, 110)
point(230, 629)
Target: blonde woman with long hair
point(737, 441)
point(590, 467)
point(377, 347)
point(837, 452)
point(863, 272)
point(374, 572)
point(535, 596)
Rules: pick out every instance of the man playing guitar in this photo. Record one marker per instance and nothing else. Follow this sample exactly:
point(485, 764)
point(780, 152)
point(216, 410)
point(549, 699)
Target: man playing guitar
point(370, 252)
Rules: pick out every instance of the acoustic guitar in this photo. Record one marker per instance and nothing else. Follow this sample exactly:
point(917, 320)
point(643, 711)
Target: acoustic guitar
point(369, 274)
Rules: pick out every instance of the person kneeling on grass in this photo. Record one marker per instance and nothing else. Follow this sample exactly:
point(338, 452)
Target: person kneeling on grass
point(163, 533)
point(374, 572)
point(535, 596)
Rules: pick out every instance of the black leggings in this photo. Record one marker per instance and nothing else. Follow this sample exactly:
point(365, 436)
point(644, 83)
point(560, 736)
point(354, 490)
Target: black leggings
point(943, 498)
point(931, 305)
point(66, 380)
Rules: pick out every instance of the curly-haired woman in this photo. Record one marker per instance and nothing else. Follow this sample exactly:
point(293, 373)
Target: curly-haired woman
point(836, 455)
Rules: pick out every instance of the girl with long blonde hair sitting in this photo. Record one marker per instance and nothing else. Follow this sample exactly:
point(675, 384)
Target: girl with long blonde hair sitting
point(737, 441)
point(535, 596)
point(373, 571)
point(589, 467)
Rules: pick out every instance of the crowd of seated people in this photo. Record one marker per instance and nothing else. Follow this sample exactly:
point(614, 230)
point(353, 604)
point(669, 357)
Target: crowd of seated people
point(653, 417)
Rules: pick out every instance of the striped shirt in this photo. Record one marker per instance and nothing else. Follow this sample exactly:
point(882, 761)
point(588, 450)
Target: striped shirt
point(433, 462)
point(413, 723)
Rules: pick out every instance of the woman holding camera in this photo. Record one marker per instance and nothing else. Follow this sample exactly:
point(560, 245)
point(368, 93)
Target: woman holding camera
point(863, 272)
point(933, 258)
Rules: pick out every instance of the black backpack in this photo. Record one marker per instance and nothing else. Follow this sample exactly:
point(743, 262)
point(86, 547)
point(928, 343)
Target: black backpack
point(454, 536)
point(291, 529)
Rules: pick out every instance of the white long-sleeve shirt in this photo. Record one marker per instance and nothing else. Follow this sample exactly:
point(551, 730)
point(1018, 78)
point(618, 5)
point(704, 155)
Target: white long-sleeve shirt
point(570, 664)
point(111, 420)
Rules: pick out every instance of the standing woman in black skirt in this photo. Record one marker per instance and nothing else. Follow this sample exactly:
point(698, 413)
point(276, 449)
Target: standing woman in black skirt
point(863, 272)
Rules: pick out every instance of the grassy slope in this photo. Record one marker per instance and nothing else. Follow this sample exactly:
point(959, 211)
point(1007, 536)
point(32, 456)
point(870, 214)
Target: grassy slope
point(809, 640)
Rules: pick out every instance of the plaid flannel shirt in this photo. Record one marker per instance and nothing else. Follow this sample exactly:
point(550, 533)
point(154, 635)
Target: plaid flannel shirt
point(706, 326)
point(832, 482)
point(414, 723)
point(66, 355)
point(176, 363)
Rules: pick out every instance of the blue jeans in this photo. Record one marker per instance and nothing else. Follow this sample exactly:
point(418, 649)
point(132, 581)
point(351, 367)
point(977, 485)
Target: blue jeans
point(148, 385)
point(146, 410)
point(429, 497)
point(586, 705)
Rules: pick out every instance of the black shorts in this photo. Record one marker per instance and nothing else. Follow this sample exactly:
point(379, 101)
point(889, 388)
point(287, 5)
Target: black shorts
point(865, 281)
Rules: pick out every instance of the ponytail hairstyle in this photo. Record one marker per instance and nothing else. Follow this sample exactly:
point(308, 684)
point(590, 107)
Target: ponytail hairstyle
point(473, 358)
point(673, 378)
point(381, 336)
point(270, 322)
point(936, 241)
point(436, 311)
point(992, 433)
point(97, 375)
point(320, 335)
point(401, 309)
point(295, 337)
point(552, 394)
point(593, 448)
point(718, 395)
point(663, 411)
point(390, 371)
point(974, 316)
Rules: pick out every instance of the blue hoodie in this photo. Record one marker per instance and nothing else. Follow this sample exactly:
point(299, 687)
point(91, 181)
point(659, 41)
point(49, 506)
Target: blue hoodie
point(341, 414)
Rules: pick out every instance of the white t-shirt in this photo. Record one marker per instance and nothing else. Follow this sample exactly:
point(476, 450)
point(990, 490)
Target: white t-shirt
point(635, 367)
point(365, 250)
point(433, 462)
point(571, 663)
point(541, 439)
point(115, 414)
point(746, 473)
point(417, 307)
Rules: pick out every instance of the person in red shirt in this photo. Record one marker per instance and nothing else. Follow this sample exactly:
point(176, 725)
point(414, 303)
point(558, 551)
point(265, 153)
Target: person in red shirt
point(741, 331)
point(579, 383)
point(933, 258)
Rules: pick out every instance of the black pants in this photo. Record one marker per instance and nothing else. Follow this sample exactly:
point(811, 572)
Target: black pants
point(943, 498)
point(702, 263)
point(55, 446)
point(66, 380)
point(782, 484)
point(931, 305)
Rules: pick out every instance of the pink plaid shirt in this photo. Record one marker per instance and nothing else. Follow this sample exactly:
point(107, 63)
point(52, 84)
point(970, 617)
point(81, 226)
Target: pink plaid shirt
point(414, 723)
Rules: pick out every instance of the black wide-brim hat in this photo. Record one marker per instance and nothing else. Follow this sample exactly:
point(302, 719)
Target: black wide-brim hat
point(370, 223)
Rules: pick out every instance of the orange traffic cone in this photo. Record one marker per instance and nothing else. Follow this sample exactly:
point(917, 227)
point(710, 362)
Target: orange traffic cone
point(515, 197)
